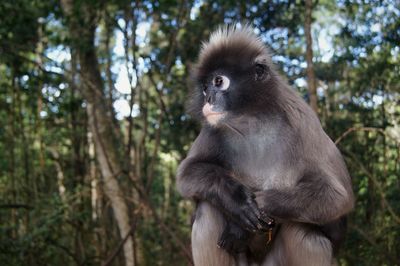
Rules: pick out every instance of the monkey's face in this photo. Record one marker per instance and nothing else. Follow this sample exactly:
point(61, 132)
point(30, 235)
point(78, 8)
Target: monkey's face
point(231, 77)
point(230, 89)
point(215, 91)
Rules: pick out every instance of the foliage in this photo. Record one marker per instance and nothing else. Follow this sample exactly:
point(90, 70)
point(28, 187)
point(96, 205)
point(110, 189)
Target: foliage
point(53, 206)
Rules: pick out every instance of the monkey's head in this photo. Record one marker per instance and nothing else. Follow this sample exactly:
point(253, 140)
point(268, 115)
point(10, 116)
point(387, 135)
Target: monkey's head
point(233, 75)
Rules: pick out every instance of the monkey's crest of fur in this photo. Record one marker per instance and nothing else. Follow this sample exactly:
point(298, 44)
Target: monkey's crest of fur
point(234, 38)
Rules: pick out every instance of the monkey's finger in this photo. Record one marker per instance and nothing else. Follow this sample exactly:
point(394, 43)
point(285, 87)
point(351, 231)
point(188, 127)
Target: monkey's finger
point(255, 220)
point(221, 243)
point(245, 222)
point(256, 215)
point(254, 208)
point(225, 244)
point(251, 221)
point(263, 225)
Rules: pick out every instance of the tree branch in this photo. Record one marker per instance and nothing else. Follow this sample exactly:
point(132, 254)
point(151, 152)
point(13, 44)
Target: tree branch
point(16, 206)
point(378, 186)
point(120, 245)
point(373, 242)
point(371, 129)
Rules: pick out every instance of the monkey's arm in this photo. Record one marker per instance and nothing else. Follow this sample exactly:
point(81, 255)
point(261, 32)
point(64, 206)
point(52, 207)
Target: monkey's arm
point(202, 180)
point(313, 200)
point(201, 176)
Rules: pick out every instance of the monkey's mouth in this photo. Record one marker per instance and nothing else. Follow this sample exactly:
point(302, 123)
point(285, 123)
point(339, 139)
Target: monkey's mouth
point(212, 113)
point(212, 116)
point(208, 110)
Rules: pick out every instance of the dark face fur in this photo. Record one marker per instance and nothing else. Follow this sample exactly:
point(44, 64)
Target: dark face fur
point(229, 78)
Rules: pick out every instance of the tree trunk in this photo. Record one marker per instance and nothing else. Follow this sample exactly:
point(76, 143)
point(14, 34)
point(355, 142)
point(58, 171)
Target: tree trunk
point(312, 90)
point(81, 22)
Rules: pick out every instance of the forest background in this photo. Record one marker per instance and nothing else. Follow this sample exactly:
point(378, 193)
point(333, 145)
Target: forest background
point(93, 124)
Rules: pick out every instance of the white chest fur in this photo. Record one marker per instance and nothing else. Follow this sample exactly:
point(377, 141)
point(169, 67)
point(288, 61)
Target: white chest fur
point(261, 159)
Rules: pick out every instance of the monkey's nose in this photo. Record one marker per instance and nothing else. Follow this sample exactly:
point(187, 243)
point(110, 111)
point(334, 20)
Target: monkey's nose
point(210, 98)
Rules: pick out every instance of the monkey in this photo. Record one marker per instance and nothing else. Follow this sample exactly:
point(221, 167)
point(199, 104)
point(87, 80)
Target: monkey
point(261, 156)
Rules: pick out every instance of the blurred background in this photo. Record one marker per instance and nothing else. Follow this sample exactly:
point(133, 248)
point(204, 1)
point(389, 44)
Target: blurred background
point(93, 124)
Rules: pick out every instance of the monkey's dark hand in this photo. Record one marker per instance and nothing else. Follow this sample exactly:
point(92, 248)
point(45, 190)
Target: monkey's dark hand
point(271, 204)
point(234, 239)
point(261, 200)
point(238, 202)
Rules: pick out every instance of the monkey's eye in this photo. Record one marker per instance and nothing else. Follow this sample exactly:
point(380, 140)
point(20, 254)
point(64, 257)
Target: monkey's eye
point(221, 82)
point(218, 81)
point(259, 69)
point(261, 72)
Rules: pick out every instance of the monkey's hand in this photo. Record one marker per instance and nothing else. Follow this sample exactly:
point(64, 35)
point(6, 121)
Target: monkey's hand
point(264, 205)
point(238, 203)
point(274, 205)
point(234, 239)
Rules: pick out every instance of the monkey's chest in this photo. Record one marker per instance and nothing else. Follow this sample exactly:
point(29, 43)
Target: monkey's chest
point(262, 162)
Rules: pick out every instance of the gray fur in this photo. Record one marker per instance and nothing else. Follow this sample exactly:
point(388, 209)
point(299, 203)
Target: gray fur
point(271, 145)
point(206, 229)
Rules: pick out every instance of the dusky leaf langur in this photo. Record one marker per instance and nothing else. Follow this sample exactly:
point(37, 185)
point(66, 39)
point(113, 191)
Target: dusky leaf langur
point(261, 156)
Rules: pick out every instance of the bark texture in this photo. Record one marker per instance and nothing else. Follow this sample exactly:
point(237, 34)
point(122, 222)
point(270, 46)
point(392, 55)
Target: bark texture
point(81, 19)
point(312, 87)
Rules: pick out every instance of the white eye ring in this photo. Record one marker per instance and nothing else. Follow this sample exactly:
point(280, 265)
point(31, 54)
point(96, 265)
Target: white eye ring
point(221, 82)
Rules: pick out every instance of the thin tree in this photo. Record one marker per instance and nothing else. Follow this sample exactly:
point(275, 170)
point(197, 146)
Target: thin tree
point(81, 19)
point(312, 88)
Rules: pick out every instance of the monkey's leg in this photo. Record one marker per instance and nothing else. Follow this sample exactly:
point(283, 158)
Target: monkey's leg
point(206, 230)
point(299, 245)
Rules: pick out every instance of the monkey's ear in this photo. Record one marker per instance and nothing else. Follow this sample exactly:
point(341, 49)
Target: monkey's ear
point(261, 69)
